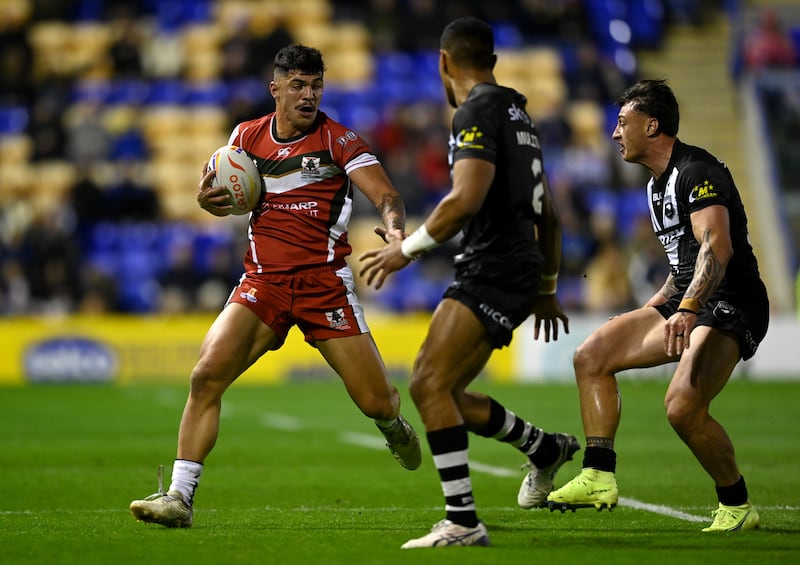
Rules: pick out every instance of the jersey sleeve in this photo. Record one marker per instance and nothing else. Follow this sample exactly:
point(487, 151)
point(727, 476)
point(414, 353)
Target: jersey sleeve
point(705, 185)
point(349, 150)
point(474, 133)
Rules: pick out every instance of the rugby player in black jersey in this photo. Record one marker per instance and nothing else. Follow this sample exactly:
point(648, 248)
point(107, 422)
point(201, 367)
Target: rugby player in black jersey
point(711, 312)
point(506, 270)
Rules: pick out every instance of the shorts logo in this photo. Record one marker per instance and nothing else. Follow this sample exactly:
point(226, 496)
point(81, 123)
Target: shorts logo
point(250, 295)
point(336, 319)
point(310, 166)
point(496, 316)
point(724, 311)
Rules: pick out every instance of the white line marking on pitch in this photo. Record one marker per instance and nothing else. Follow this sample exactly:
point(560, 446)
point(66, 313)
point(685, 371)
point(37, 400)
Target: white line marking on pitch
point(372, 441)
point(281, 422)
point(659, 509)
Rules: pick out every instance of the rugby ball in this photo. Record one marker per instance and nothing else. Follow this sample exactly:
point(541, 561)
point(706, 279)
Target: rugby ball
point(237, 173)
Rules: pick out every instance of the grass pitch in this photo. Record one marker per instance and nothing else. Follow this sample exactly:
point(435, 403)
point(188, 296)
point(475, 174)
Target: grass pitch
point(300, 476)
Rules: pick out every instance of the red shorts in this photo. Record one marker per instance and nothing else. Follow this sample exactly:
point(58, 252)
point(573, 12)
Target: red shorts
point(322, 302)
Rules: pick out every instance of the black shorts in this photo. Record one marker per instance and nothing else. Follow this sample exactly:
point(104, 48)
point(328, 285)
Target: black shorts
point(745, 319)
point(501, 299)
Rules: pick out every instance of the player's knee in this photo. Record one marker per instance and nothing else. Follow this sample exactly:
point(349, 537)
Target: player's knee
point(206, 381)
point(587, 361)
point(683, 416)
point(423, 387)
point(380, 406)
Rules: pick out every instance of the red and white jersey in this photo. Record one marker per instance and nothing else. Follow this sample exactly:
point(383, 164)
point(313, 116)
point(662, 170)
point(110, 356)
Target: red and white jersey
point(303, 218)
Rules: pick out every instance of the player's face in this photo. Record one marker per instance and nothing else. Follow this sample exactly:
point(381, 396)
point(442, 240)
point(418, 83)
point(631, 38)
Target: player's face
point(632, 133)
point(297, 97)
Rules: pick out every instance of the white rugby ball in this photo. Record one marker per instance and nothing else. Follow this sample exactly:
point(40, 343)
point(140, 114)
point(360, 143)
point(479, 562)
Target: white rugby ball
point(236, 172)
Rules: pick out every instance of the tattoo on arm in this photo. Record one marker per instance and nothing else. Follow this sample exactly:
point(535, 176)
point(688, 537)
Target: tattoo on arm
point(393, 212)
point(669, 289)
point(708, 272)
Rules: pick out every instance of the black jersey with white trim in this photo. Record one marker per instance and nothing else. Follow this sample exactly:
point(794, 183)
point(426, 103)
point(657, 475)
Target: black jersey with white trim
point(693, 180)
point(492, 125)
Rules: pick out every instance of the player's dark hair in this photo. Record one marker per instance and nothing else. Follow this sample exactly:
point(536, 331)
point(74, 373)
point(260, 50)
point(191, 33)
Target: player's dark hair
point(654, 98)
point(470, 43)
point(307, 60)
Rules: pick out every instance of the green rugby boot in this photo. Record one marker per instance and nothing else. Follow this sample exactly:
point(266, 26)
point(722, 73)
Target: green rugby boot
point(734, 518)
point(592, 488)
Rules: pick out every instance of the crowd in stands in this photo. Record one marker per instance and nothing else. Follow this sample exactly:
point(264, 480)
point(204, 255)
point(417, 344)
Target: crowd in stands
point(108, 109)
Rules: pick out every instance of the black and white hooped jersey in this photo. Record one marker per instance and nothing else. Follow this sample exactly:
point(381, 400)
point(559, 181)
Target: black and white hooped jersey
point(693, 180)
point(492, 124)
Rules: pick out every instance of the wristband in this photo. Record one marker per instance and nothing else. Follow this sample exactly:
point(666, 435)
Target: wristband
point(417, 243)
point(551, 290)
point(691, 305)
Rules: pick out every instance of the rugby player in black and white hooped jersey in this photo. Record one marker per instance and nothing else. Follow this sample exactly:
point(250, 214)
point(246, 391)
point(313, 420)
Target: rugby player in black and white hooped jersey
point(711, 312)
point(506, 270)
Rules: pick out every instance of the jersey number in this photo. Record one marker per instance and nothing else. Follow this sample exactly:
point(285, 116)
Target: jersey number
point(538, 190)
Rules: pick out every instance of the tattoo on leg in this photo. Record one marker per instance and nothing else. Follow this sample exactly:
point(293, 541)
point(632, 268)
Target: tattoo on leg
point(604, 442)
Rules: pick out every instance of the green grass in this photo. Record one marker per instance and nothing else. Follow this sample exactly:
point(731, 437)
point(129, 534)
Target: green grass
point(72, 458)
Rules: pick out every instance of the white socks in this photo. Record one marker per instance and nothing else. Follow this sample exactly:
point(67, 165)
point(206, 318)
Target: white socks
point(185, 477)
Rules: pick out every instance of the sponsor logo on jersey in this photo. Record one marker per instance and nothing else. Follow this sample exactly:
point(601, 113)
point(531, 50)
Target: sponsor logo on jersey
point(250, 295)
point(284, 151)
point(516, 114)
point(310, 167)
point(348, 136)
point(701, 191)
point(469, 138)
point(310, 207)
point(669, 209)
point(337, 320)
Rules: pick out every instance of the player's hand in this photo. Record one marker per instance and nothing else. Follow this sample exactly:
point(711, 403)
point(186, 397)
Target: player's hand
point(547, 312)
point(388, 235)
point(677, 332)
point(213, 199)
point(378, 263)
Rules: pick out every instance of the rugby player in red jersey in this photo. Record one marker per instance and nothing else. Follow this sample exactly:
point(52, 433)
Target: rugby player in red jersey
point(295, 274)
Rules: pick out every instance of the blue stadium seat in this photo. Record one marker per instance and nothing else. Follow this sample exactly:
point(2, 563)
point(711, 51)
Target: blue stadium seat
point(128, 91)
point(13, 119)
point(507, 35)
point(167, 91)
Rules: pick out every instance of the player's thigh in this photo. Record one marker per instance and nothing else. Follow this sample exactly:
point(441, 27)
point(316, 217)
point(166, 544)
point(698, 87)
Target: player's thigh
point(358, 363)
point(704, 369)
point(631, 340)
point(235, 340)
point(455, 350)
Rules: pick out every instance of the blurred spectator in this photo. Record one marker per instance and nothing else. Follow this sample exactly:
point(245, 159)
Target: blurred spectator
point(87, 139)
point(50, 261)
point(98, 291)
point(16, 62)
point(180, 281)
point(129, 200)
point(248, 53)
point(594, 78)
point(767, 45)
point(607, 288)
point(88, 203)
point(45, 127)
point(125, 50)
